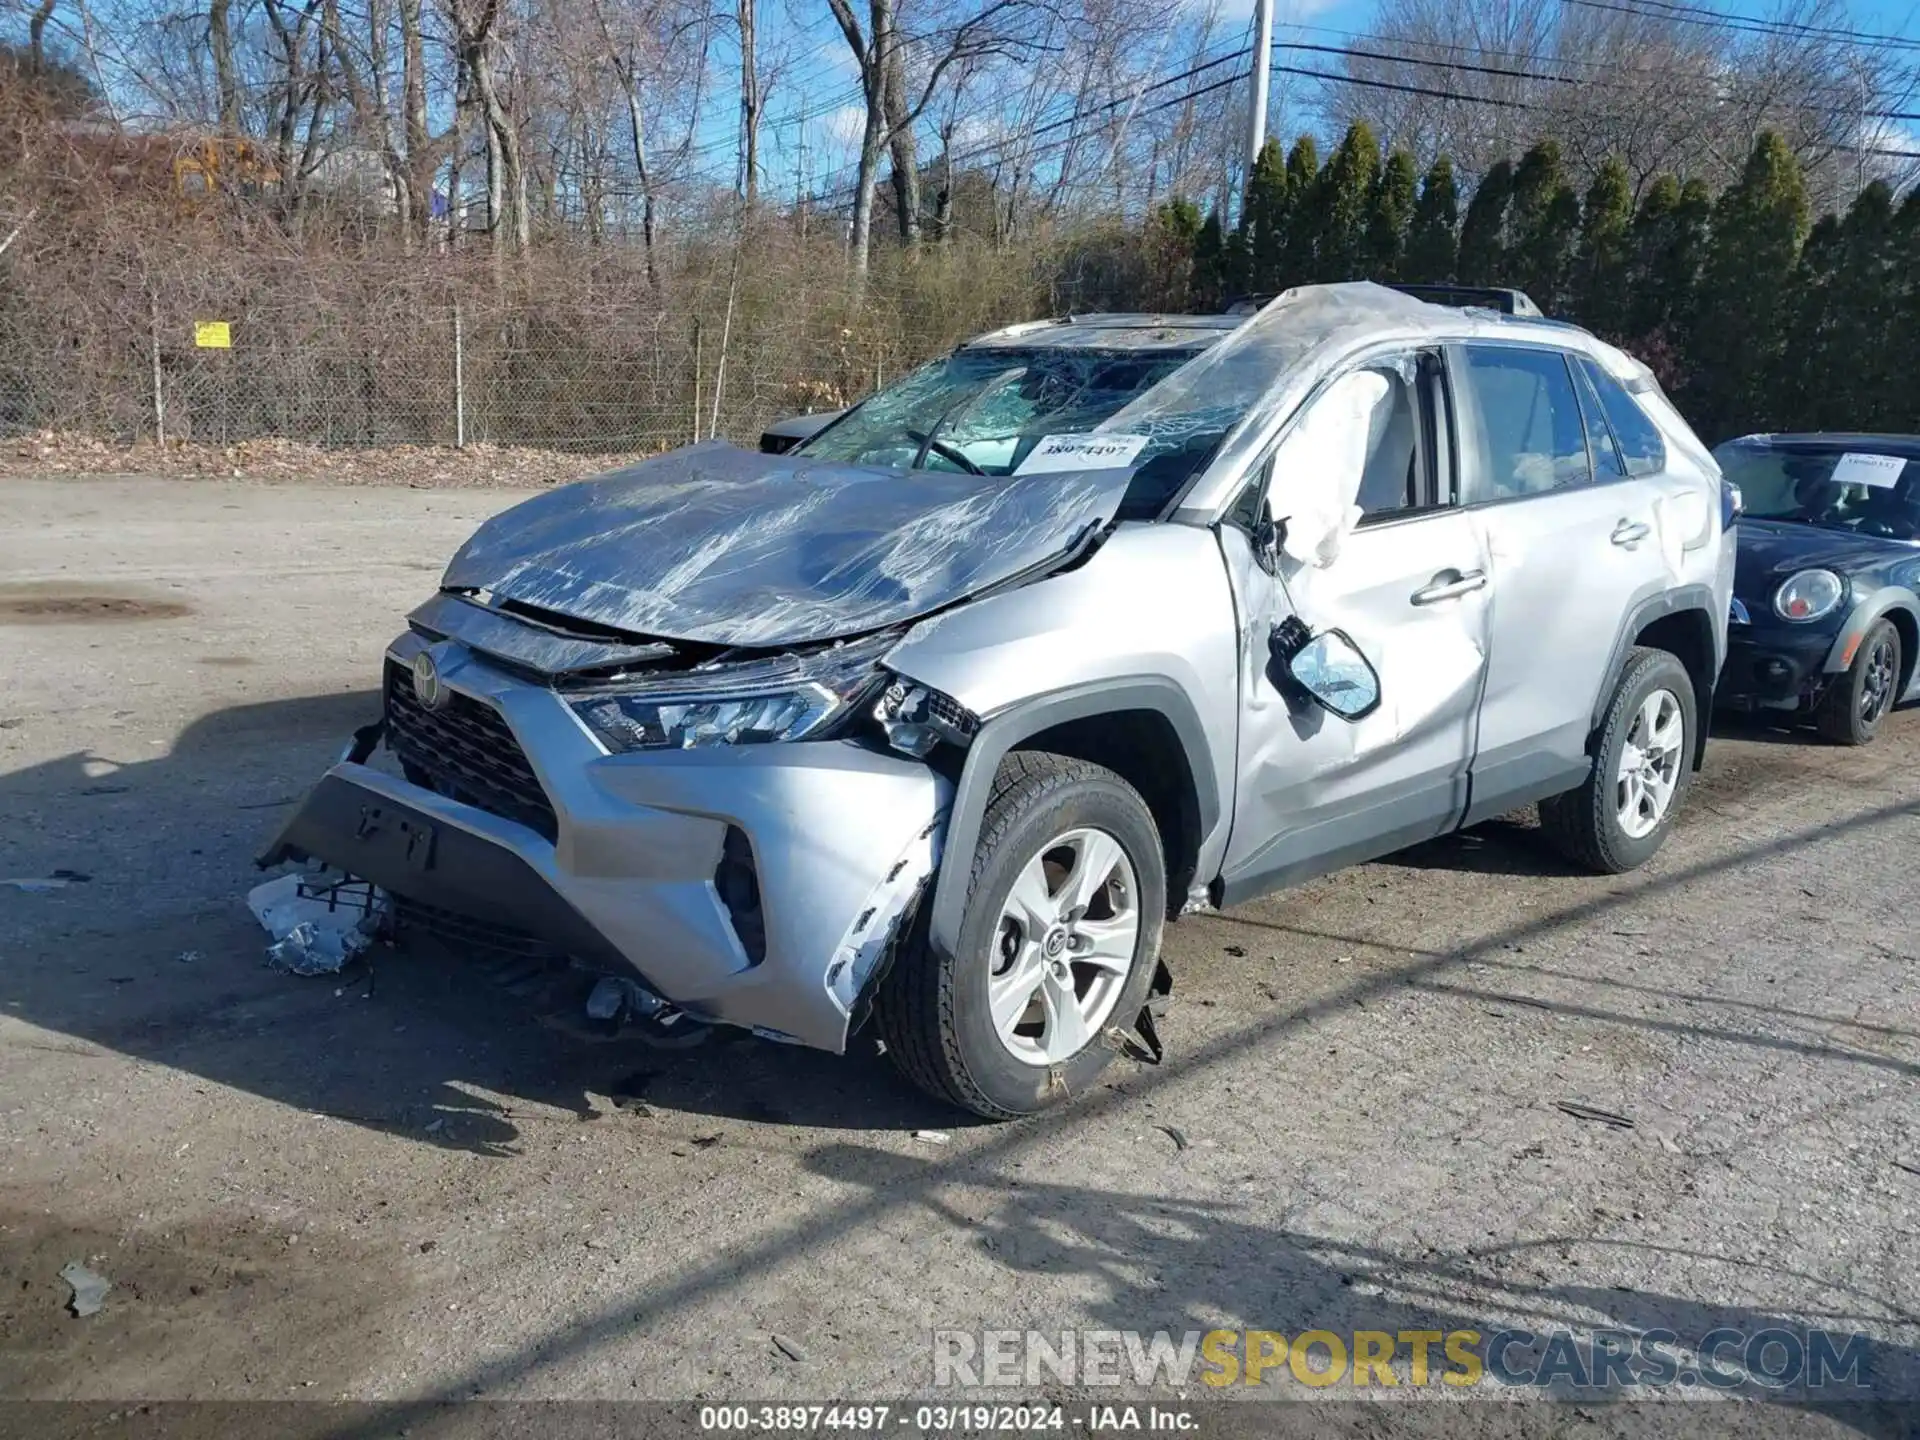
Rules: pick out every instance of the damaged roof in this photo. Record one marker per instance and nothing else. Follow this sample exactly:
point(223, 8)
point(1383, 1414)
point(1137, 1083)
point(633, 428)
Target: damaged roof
point(1113, 332)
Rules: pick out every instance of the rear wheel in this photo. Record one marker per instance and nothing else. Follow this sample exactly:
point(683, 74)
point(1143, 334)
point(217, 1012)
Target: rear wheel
point(1643, 759)
point(1856, 702)
point(1057, 946)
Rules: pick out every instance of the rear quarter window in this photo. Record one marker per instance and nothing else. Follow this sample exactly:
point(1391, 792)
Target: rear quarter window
point(1642, 450)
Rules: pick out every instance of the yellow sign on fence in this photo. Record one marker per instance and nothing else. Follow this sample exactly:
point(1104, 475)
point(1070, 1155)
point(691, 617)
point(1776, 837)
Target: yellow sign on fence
point(213, 334)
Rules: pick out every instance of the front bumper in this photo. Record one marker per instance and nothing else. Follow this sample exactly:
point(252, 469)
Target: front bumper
point(842, 840)
point(1775, 666)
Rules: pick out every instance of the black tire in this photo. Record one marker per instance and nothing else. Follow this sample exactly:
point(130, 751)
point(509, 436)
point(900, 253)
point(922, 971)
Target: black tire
point(1584, 823)
point(1856, 702)
point(931, 1012)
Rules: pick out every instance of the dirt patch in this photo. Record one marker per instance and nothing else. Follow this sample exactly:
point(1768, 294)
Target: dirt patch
point(56, 605)
point(178, 1289)
point(422, 467)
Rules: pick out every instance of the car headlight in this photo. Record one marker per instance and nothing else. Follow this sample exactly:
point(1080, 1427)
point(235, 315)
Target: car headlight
point(1809, 595)
point(751, 702)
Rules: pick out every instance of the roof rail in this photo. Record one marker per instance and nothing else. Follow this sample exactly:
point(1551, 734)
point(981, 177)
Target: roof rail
point(1483, 297)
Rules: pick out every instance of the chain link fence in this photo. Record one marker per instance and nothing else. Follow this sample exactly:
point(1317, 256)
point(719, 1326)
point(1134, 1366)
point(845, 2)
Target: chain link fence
point(571, 351)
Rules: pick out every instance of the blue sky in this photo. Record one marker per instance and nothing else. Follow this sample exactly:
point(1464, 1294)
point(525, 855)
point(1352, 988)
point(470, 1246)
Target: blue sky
point(813, 109)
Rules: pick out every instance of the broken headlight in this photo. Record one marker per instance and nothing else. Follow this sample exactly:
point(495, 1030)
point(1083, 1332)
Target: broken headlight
point(916, 718)
point(748, 702)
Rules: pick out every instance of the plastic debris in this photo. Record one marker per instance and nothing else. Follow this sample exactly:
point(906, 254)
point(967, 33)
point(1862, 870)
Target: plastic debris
point(89, 1289)
point(316, 928)
point(789, 1348)
point(1175, 1134)
point(1609, 1118)
point(932, 1137)
point(46, 884)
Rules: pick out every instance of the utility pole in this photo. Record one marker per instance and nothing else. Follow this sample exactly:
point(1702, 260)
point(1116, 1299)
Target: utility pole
point(1257, 102)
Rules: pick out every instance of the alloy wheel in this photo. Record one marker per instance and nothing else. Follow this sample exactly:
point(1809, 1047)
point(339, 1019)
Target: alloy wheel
point(1064, 946)
point(1650, 764)
point(1876, 690)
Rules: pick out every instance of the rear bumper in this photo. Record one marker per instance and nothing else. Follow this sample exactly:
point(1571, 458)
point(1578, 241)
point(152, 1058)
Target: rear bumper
point(841, 841)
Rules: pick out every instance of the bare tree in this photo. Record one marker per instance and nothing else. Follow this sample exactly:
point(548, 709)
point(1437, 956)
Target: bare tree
point(997, 28)
point(477, 43)
point(749, 187)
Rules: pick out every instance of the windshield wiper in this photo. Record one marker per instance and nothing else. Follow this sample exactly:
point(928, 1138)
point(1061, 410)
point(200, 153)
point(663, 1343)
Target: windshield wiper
point(931, 440)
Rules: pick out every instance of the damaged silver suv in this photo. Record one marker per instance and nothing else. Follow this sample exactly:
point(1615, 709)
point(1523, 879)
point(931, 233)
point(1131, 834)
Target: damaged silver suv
point(941, 716)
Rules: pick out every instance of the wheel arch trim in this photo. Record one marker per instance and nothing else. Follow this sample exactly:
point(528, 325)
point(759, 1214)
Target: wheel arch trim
point(1875, 607)
point(1004, 732)
point(1677, 601)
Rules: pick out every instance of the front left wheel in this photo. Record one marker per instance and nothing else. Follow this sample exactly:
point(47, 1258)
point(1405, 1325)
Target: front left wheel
point(1057, 946)
point(1857, 701)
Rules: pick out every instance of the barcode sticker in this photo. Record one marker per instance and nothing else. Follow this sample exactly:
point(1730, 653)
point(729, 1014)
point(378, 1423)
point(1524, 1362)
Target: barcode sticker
point(1082, 452)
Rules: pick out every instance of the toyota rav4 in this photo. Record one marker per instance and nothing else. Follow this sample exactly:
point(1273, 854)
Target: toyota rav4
point(937, 718)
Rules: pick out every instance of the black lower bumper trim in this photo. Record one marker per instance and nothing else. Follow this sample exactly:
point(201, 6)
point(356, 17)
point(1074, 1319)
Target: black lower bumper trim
point(426, 860)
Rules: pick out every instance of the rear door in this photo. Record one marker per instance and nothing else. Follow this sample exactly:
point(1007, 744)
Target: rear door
point(1409, 587)
point(1571, 546)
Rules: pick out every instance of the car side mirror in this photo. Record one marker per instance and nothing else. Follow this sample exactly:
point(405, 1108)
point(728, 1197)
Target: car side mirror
point(1341, 680)
point(782, 435)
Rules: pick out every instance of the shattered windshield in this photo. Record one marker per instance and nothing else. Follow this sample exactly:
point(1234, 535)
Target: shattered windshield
point(1836, 487)
point(989, 411)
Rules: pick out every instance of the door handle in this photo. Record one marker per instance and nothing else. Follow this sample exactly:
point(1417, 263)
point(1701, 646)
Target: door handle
point(1630, 533)
point(1449, 583)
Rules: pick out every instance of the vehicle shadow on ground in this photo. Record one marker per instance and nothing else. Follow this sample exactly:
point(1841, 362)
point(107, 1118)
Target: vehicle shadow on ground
point(419, 1043)
point(1508, 845)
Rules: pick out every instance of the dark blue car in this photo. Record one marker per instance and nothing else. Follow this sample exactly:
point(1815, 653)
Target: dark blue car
point(1826, 610)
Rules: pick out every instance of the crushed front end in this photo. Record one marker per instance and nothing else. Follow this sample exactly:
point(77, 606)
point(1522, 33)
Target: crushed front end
point(730, 829)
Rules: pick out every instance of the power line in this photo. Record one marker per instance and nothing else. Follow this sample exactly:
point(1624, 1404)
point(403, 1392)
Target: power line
point(1740, 24)
point(1838, 32)
point(1841, 111)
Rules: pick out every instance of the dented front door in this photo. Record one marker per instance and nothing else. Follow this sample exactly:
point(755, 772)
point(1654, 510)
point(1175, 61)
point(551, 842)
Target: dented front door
point(1409, 587)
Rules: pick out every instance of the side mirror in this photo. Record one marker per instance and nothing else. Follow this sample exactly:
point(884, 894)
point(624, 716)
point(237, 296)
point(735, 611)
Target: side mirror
point(1331, 669)
point(1732, 503)
point(782, 435)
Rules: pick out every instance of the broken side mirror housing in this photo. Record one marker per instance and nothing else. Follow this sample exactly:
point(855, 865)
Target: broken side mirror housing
point(1341, 680)
point(782, 435)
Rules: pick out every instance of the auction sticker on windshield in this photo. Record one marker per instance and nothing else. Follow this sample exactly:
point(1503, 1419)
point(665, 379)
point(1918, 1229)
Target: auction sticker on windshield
point(1880, 471)
point(1082, 452)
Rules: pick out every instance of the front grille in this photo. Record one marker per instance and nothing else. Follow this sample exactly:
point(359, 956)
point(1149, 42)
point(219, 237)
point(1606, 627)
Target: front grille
point(465, 751)
point(479, 938)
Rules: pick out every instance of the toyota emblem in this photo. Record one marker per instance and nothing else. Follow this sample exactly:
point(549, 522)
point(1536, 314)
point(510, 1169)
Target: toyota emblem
point(426, 682)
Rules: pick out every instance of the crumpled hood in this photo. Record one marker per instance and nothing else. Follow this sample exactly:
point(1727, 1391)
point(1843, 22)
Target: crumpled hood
point(726, 546)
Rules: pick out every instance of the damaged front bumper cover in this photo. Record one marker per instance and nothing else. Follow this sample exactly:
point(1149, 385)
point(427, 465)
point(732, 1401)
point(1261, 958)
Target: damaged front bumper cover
point(842, 841)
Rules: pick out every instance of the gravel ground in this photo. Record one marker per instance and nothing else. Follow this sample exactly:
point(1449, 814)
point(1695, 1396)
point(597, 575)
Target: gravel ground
point(416, 1185)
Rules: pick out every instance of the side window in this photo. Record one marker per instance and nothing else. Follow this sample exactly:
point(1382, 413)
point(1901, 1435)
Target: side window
point(1607, 464)
point(1528, 419)
point(1393, 481)
point(1641, 449)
